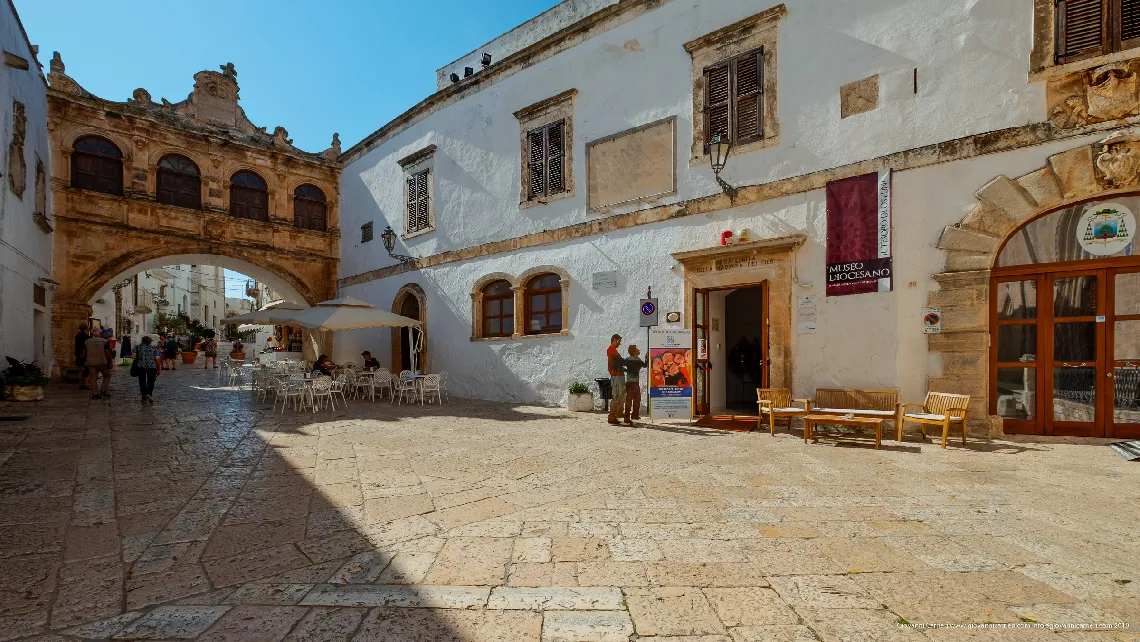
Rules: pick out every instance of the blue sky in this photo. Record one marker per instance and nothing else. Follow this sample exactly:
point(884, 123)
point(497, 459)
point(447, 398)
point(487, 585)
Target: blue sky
point(313, 67)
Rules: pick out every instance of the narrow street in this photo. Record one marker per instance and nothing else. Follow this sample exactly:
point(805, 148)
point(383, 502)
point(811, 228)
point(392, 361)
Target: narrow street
point(210, 517)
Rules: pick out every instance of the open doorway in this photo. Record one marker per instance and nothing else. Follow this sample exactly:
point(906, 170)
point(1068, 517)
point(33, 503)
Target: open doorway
point(737, 349)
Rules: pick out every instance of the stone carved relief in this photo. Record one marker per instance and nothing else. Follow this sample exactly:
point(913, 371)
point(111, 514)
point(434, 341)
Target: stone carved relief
point(281, 137)
point(1109, 92)
point(1118, 160)
point(60, 81)
point(17, 166)
point(334, 148)
point(140, 97)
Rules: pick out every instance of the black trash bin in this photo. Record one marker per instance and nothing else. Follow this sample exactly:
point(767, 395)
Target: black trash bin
point(606, 391)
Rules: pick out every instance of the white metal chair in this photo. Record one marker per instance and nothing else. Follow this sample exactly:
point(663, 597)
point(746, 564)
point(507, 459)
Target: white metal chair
point(293, 388)
point(362, 386)
point(382, 380)
point(405, 386)
point(321, 388)
point(430, 385)
point(443, 385)
point(342, 382)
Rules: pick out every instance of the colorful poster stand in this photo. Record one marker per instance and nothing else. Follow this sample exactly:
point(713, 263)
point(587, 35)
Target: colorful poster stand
point(671, 374)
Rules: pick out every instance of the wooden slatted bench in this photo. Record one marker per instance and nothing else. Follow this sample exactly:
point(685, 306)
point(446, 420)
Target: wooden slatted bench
point(876, 404)
point(939, 409)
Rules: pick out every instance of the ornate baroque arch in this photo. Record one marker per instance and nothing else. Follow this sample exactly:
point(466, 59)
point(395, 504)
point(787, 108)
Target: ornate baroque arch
point(1100, 170)
point(410, 290)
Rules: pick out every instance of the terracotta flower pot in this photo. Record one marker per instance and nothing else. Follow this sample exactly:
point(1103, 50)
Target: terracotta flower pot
point(238, 356)
point(23, 393)
point(189, 357)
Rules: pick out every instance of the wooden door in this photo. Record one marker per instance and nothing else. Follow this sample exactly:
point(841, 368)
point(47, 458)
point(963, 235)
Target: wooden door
point(1122, 327)
point(701, 351)
point(765, 324)
point(1074, 325)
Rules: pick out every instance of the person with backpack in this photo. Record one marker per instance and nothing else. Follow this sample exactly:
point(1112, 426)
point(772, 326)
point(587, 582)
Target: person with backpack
point(170, 353)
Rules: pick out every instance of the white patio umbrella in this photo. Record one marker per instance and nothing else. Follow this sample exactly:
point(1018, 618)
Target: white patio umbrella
point(347, 313)
point(272, 314)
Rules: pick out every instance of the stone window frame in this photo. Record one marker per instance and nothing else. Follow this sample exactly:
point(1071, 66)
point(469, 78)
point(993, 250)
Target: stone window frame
point(1042, 63)
point(546, 112)
point(756, 32)
point(422, 160)
point(518, 286)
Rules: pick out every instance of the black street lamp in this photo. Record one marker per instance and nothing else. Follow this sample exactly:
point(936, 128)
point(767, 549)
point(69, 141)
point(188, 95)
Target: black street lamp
point(389, 237)
point(719, 149)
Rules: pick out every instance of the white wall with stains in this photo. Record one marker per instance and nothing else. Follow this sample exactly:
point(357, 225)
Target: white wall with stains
point(639, 73)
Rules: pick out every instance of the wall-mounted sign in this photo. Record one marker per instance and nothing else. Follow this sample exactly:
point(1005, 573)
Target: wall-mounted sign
point(932, 321)
point(807, 327)
point(806, 300)
point(673, 317)
point(648, 313)
point(671, 374)
point(859, 235)
point(1105, 229)
point(605, 279)
point(806, 314)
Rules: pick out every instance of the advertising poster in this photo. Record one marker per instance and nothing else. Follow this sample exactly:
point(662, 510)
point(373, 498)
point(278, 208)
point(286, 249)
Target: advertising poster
point(859, 235)
point(671, 374)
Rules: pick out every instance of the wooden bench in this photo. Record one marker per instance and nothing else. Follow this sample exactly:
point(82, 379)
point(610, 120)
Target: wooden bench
point(939, 409)
point(878, 404)
point(777, 402)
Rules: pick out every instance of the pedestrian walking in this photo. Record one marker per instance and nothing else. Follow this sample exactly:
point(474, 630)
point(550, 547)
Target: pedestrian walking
point(633, 367)
point(146, 358)
point(211, 348)
point(100, 361)
point(170, 353)
point(81, 338)
point(616, 366)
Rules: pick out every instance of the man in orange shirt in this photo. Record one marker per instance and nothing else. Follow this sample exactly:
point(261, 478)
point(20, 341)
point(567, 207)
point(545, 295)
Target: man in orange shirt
point(616, 366)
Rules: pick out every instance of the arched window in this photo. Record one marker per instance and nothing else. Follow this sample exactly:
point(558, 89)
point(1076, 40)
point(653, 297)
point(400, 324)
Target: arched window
point(544, 304)
point(97, 165)
point(309, 208)
point(498, 309)
point(179, 182)
point(249, 197)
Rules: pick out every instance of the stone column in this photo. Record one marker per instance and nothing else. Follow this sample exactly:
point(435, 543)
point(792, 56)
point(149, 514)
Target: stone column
point(65, 319)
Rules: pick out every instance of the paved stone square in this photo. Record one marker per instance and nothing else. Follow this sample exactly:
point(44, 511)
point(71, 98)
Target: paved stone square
point(208, 516)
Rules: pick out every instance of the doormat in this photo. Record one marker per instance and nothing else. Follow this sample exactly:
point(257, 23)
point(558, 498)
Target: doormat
point(1129, 450)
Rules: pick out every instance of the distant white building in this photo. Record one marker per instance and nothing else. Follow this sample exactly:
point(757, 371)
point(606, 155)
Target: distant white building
point(25, 200)
point(132, 306)
point(933, 153)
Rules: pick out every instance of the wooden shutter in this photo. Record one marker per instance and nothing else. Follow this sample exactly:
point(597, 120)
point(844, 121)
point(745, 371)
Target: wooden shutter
point(536, 162)
point(718, 94)
point(418, 201)
point(748, 97)
point(556, 151)
point(1129, 21)
point(1082, 29)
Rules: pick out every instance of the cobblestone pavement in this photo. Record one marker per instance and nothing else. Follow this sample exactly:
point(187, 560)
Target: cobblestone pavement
point(209, 517)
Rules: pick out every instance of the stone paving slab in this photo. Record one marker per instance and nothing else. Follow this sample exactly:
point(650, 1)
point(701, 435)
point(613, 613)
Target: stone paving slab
point(207, 516)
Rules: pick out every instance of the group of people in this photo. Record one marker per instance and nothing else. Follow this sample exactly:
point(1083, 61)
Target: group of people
point(323, 365)
point(625, 382)
point(95, 358)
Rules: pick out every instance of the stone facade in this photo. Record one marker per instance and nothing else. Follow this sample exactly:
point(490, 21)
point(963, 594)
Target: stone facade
point(103, 236)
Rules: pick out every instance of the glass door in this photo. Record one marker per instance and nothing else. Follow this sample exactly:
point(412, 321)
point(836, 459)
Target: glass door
point(1076, 338)
point(1015, 368)
point(1123, 408)
point(701, 350)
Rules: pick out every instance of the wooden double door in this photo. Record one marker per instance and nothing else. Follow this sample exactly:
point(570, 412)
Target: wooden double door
point(1065, 355)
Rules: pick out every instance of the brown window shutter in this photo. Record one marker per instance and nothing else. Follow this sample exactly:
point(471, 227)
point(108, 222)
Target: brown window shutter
point(422, 222)
point(556, 152)
point(718, 94)
point(748, 97)
point(1129, 21)
point(410, 226)
point(1082, 29)
point(536, 162)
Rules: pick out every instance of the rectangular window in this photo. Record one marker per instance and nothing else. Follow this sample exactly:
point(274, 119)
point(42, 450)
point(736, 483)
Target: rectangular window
point(1087, 28)
point(418, 201)
point(546, 152)
point(734, 99)
point(366, 232)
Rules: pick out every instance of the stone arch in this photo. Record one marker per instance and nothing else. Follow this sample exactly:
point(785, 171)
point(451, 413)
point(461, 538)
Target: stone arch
point(416, 291)
point(564, 280)
point(477, 301)
point(1004, 205)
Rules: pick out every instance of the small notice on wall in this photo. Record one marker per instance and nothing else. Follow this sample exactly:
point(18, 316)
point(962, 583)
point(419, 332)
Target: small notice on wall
point(932, 321)
point(805, 314)
point(605, 280)
point(807, 327)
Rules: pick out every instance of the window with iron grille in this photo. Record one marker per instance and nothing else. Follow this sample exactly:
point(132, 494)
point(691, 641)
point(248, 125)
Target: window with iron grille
point(734, 99)
point(366, 232)
point(1087, 28)
point(419, 201)
point(546, 153)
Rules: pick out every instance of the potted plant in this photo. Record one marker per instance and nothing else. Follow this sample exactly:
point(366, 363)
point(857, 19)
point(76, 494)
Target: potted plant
point(237, 351)
point(23, 381)
point(581, 399)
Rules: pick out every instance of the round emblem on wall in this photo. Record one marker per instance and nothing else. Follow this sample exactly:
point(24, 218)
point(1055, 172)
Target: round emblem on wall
point(1105, 228)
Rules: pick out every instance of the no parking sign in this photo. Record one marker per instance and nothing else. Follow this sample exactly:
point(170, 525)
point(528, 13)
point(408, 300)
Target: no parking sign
point(648, 313)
